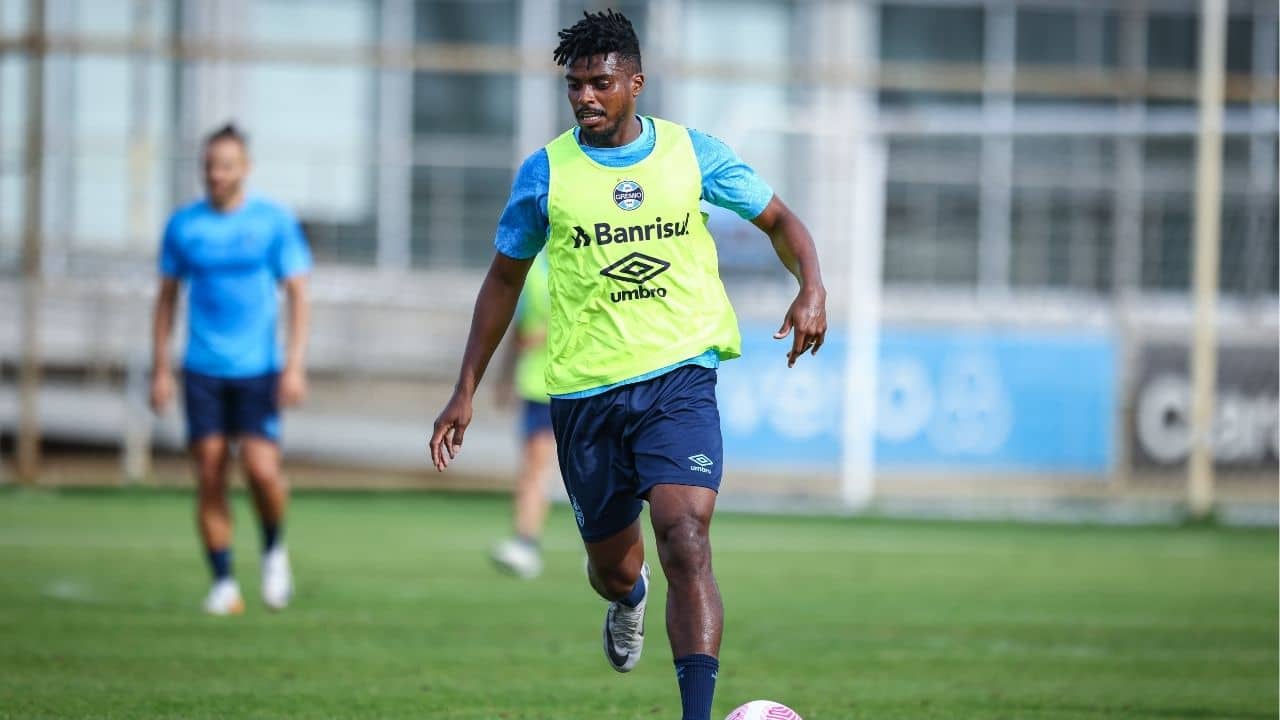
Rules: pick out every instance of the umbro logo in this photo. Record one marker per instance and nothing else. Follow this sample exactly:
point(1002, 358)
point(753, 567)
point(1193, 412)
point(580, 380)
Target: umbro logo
point(703, 463)
point(636, 268)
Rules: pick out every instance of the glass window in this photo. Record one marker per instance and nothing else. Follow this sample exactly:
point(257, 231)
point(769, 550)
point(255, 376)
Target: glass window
point(467, 22)
point(1166, 240)
point(352, 242)
point(455, 212)
point(733, 107)
point(311, 135)
point(105, 17)
point(637, 11)
point(1062, 214)
point(13, 17)
point(464, 104)
point(1169, 186)
point(1169, 164)
point(1083, 37)
point(1173, 42)
point(931, 34)
point(915, 34)
point(931, 234)
point(13, 113)
point(1061, 238)
point(1239, 44)
point(349, 23)
point(1047, 37)
point(11, 199)
point(97, 92)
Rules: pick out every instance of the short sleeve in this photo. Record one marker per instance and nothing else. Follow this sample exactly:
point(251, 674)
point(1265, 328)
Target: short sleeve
point(727, 181)
point(172, 264)
point(293, 255)
point(522, 228)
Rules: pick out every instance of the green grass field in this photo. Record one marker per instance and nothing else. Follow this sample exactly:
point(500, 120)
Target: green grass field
point(399, 615)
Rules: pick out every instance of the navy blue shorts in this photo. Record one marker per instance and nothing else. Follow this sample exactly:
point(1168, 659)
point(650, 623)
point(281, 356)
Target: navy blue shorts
point(535, 417)
point(231, 406)
point(616, 446)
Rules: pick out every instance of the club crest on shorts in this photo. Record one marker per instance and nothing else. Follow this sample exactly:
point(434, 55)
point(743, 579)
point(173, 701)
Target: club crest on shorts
point(628, 195)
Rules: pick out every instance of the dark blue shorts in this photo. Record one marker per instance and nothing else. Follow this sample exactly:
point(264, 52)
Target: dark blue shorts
point(231, 406)
point(614, 447)
point(535, 417)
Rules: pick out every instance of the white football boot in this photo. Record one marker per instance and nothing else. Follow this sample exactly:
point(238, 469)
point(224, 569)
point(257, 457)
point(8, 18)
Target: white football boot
point(224, 598)
point(624, 630)
point(277, 578)
point(519, 558)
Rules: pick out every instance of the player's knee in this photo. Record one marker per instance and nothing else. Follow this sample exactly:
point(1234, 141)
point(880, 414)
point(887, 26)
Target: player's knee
point(615, 580)
point(261, 473)
point(211, 488)
point(684, 545)
point(211, 477)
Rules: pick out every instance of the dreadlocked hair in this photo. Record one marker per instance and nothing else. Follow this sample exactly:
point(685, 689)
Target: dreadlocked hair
point(599, 33)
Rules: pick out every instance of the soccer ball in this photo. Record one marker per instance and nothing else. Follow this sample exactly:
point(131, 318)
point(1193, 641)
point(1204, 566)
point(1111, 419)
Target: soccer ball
point(764, 710)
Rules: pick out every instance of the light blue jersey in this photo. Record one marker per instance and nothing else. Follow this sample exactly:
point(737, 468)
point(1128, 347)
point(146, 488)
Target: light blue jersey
point(727, 182)
point(233, 264)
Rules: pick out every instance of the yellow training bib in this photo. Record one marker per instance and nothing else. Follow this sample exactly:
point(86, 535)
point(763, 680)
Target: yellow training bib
point(634, 276)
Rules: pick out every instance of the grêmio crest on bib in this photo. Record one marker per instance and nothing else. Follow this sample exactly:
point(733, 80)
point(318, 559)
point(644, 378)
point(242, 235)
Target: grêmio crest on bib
point(628, 195)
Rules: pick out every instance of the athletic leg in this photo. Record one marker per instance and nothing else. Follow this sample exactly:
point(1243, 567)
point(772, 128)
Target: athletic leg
point(614, 564)
point(205, 401)
point(618, 573)
point(679, 458)
point(521, 555)
point(260, 458)
point(681, 516)
point(213, 518)
point(599, 476)
point(255, 415)
point(531, 493)
point(209, 457)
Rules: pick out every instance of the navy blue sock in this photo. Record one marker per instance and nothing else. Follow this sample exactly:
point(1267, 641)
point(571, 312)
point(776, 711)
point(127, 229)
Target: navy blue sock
point(634, 597)
point(271, 533)
point(697, 677)
point(220, 563)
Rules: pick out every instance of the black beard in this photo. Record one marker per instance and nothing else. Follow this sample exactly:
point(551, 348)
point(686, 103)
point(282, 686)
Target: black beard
point(597, 138)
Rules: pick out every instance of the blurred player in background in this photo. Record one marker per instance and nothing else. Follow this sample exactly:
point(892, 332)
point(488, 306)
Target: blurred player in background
point(639, 323)
point(234, 251)
point(525, 373)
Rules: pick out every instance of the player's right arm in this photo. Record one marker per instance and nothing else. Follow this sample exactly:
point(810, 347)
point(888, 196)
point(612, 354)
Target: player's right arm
point(162, 382)
point(522, 231)
point(171, 270)
point(495, 305)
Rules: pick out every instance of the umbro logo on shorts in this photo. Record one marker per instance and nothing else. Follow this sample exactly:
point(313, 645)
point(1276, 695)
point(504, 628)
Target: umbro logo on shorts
point(703, 463)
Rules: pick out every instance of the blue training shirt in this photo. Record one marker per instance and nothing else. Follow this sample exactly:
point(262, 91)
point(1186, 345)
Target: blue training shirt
point(726, 181)
point(233, 264)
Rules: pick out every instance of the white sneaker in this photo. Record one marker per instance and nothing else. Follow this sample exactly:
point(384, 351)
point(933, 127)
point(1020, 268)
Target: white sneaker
point(224, 598)
point(518, 558)
point(624, 630)
point(277, 578)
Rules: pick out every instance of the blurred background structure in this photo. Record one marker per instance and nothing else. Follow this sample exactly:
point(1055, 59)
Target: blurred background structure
point(1003, 193)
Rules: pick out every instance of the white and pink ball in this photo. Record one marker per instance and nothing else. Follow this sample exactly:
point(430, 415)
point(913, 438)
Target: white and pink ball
point(764, 710)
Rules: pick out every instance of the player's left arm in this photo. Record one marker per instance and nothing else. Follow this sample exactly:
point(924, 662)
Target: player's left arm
point(807, 316)
point(293, 265)
point(729, 182)
point(293, 380)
